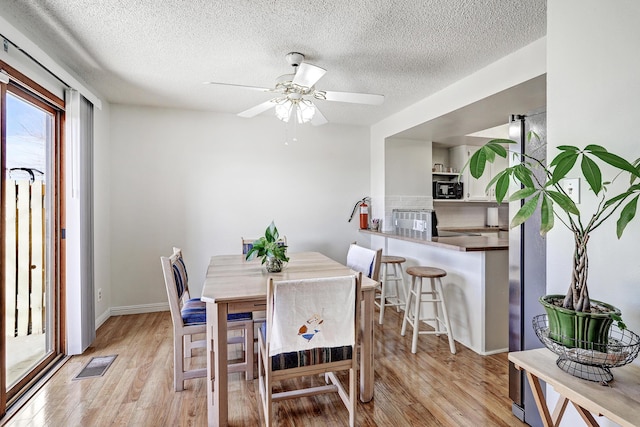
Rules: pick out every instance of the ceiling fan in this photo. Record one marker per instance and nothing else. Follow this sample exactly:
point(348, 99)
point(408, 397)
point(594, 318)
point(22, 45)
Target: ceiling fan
point(297, 91)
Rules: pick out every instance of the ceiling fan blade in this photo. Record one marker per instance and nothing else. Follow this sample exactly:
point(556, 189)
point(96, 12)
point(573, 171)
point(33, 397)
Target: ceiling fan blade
point(355, 98)
point(260, 108)
point(256, 88)
point(308, 75)
point(318, 119)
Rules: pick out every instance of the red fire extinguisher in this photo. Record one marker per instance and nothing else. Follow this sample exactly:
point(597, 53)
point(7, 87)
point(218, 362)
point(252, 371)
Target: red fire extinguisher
point(364, 213)
point(364, 216)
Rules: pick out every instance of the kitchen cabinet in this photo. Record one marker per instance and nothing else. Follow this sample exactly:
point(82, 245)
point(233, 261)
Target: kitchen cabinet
point(445, 176)
point(475, 189)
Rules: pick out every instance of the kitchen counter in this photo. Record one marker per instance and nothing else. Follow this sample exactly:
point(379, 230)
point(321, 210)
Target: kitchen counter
point(455, 243)
point(476, 286)
point(481, 229)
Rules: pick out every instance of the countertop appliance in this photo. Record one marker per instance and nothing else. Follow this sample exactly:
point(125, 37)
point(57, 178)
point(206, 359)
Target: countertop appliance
point(447, 190)
point(415, 223)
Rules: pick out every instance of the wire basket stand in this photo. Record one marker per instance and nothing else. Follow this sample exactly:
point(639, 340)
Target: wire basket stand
point(588, 364)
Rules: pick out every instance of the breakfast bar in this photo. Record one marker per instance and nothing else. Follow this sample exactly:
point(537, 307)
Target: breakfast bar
point(476, 287)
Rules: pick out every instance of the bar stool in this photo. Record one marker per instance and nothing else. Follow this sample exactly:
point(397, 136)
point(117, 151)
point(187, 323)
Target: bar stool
point(391, 300)
point(437, 299)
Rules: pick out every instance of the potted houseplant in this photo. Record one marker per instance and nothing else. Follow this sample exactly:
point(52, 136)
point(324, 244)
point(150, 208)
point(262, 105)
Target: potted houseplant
point(575, 320)
point(272, 250)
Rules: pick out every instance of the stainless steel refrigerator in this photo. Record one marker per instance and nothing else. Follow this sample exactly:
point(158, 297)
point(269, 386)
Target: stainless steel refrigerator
point(527, 268)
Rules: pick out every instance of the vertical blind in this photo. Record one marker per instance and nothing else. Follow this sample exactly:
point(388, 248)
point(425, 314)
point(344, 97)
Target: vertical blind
point(86, 222)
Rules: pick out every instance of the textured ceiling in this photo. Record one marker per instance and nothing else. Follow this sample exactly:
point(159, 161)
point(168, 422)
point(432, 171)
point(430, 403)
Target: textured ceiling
point(158, 53)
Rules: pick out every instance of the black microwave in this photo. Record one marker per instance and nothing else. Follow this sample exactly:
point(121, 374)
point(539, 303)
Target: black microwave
point(447, 190)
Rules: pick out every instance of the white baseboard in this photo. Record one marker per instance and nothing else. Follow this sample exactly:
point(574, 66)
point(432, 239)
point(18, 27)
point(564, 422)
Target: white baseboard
point(102, 318)
point(131, 309)
point(500, 350)
point(138, 309)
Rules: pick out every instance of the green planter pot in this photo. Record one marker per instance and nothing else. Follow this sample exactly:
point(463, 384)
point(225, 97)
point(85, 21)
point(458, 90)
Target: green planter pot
point(576, 329)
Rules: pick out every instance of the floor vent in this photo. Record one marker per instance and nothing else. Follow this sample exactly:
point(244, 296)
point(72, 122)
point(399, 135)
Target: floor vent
point(96, 367)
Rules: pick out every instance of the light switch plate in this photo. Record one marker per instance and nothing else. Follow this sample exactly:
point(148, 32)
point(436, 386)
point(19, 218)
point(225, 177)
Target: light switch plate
point(571, 186)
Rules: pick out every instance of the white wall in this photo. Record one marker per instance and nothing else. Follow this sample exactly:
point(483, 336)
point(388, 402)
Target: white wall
point(591, 43)
point(407, 178)
point(101, 210)
point(593, 87)
point(518, 67)
point(408, 167)
point(202, 180)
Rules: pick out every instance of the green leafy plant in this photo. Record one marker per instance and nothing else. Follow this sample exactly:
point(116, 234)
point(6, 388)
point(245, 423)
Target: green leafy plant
point(269, 246)
point(542, 188)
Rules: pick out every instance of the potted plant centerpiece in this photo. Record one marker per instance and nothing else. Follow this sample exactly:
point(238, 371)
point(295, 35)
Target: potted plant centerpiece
point(575, 320)
point(272, 250)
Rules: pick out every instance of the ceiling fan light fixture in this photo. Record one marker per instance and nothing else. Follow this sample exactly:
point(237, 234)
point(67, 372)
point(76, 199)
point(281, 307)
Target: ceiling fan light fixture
point(305, 111)
point(297, 91)
point(284, 110)
point(301, 110)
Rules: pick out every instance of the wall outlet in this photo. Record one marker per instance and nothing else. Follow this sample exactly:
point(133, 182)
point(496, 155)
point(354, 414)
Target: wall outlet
point(571, 186)
point(100, 294)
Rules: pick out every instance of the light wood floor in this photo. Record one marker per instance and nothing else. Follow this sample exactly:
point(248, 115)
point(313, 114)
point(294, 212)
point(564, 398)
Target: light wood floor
point(431, 388)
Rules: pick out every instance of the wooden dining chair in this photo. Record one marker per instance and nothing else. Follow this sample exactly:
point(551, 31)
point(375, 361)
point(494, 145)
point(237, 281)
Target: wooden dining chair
point(366, 261)
point(189, 318)
point(311, 329)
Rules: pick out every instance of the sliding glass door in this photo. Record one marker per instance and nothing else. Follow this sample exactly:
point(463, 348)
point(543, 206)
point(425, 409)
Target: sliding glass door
point(31, 133)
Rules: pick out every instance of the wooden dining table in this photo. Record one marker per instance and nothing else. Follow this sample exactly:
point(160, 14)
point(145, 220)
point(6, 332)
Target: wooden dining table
point(234, 285)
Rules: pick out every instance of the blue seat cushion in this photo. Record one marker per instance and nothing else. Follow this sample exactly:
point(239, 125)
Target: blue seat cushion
point(194, 312)
point(180, 276)
point(315, 356)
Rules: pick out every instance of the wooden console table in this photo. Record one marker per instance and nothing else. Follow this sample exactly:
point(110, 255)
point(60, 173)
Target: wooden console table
point(619, 401)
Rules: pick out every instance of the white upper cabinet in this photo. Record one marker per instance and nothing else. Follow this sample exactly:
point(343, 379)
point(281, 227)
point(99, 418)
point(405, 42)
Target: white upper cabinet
point(475, 189)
